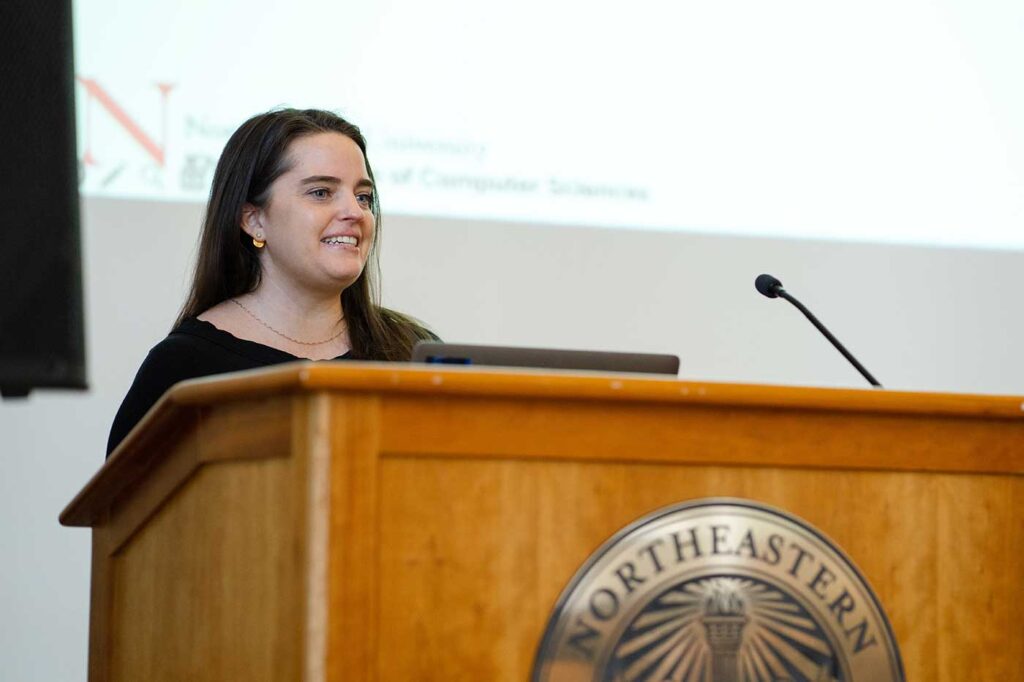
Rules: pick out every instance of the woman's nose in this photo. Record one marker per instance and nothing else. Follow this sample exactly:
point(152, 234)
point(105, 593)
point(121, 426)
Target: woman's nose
point(349, 207)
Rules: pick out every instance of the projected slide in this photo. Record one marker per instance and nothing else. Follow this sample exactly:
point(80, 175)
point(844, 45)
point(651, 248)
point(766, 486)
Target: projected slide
point(898, 121)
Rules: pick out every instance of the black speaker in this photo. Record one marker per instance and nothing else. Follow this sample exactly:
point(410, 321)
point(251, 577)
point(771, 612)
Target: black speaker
point(42, 339)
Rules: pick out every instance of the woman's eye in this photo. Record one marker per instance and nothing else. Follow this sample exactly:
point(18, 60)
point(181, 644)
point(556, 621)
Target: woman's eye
point(320, 193)
point(365, 200)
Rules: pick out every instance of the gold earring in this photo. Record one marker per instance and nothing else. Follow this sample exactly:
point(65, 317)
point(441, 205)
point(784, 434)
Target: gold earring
point(259, 242)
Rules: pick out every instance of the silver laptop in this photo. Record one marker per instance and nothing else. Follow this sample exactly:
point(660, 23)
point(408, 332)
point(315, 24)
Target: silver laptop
point(544, 358)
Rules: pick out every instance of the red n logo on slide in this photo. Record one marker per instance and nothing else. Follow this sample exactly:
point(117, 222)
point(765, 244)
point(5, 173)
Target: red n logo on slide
point(96, 92)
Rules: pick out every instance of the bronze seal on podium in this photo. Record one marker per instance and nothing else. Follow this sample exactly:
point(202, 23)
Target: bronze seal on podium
point(718, 590)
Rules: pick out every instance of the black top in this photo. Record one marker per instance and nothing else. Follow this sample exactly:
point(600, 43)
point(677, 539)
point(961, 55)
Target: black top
point(194, 349)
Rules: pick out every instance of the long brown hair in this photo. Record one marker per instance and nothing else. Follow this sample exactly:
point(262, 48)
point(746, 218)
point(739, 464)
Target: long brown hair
point(227, 264)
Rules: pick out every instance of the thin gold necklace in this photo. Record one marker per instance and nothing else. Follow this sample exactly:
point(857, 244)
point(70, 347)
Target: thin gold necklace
point(283, 335)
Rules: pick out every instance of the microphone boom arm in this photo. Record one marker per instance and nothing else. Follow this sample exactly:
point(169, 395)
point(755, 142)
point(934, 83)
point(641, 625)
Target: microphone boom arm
point(828, 335)
point(770, 287)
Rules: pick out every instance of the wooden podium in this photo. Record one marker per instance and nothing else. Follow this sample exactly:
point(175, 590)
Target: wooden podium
point(362, 521)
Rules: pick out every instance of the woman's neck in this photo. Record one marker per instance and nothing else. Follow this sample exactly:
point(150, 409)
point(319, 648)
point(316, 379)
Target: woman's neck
point(297, 315)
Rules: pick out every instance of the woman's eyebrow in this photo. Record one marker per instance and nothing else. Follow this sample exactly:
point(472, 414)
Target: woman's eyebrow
point(312, 179)
point(332, 180)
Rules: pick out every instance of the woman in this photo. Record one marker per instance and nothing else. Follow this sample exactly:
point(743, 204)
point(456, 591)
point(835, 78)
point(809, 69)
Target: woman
point(282, 272)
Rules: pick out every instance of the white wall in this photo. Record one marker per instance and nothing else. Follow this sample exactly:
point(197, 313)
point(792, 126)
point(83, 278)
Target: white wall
point(919, 319)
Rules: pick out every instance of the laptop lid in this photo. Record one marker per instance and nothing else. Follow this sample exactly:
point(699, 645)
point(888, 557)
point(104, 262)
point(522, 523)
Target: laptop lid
point(435, 352)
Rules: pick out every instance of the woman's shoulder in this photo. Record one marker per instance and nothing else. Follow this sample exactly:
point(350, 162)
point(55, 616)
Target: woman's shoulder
point(408, 324)
point(193, 349)
point(387, 335)
point(196, 348)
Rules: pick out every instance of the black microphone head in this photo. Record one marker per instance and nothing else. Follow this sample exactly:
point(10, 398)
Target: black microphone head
point(768, 286)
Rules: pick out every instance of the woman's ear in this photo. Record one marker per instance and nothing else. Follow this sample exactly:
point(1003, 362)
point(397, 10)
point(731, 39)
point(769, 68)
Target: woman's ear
point(251, 222)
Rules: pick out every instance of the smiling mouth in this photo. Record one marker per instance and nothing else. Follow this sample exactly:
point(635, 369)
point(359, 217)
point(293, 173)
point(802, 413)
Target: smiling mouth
point(350, 241)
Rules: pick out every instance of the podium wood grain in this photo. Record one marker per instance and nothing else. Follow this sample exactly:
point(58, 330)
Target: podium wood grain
point(360, 522)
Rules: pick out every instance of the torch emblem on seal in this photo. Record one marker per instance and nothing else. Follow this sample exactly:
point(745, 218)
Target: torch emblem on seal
point(724, 619)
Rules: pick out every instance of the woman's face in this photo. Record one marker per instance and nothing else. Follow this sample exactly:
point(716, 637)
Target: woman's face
point(318, 222)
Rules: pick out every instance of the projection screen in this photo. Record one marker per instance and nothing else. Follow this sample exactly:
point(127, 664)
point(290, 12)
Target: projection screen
point(872, 121)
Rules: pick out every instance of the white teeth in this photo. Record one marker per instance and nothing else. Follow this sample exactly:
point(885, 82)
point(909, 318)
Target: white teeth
point(352, 241)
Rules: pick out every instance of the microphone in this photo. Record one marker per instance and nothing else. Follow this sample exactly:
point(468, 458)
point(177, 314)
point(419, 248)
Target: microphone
point(772, 288)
